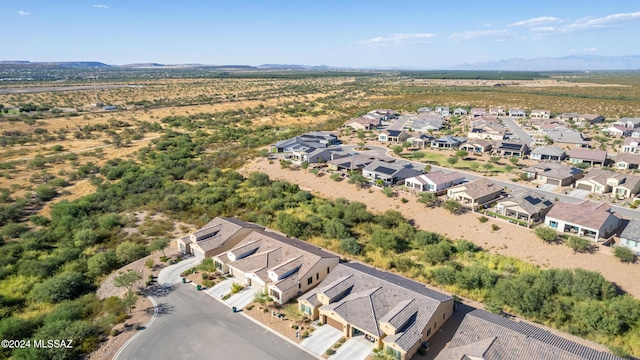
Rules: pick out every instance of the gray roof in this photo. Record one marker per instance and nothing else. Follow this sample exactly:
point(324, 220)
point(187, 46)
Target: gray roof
point(564, 135)
point(553, 170)
point(491, 337)
point(449, 139)
point(548, 150)
point(390, 170)
point(529, 201)
point(632, 230)
point(353, 162)
point(365, 297)
point(217, 231)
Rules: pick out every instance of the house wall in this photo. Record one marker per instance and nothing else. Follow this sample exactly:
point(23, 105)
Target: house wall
point(239, 275)
point(488, 198)
point(415, 185)
point(314, 311)
point(632, 244)
point(183, 247)
point(607, 228)
point(319, 268)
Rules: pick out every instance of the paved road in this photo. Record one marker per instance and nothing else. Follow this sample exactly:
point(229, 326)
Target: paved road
point(192, 325)
point(381, 151)
point(171, 274)
point(517, 130)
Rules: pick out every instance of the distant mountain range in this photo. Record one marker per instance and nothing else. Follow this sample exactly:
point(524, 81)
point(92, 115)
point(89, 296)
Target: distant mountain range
point(566, 63)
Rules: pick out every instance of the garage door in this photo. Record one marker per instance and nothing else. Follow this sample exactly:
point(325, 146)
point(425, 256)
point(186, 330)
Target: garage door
point(553, 181)
point(585, 187)
point(335, 323)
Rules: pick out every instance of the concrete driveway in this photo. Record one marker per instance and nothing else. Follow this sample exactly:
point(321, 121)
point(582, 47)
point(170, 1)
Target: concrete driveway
point(242, 298)
point(579, 193)
point(220, 289)
point(321, 339)
point(548, 187)
point(171, 274)
point(357, 348)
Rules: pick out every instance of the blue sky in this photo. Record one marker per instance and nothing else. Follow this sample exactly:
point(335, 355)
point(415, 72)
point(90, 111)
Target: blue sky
point(417, 34)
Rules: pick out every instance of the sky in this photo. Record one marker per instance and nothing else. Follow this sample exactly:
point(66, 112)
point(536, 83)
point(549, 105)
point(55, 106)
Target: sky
point(427, 34)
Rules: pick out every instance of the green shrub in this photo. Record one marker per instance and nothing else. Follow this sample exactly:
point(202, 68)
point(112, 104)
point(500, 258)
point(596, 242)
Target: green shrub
point(483, 219)
point(624, 254)
point(236, 287)
point(149, 263)
point(495, 227)
point(422, 351)
point(330, 352)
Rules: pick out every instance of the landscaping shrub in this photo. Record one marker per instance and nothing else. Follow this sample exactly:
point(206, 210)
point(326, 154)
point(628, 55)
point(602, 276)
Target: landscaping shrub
point(624, 254)
point(483, 219)
point(330, 352)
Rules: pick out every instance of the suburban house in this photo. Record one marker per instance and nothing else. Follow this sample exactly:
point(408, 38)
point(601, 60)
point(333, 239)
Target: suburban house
point(589, 156)
point(617, 130)
point(586, 218)
point(310, 140)
point(524, 205)
point(548, 153)
point(475, 193)
point(628, 122)
point(217, 236)
point(562, 136)
point(382, 114)
point(540, 114)
point(284, 267)
point(498, 111)
point(434, 181)
point(393, 136)
point(477, 146)
point(630, 236)
point(425, 123)
point(442, 110)
point(600, 181)
point(363, 123)
point(589, 119)
point(421, 141)
point(631, 145)
point(627, 188)
point(635, 134)
point(396, 314)
point(517, 113)
point(475, 112)
point(569, 117)
point(448, 142)
point(506, 148)
point(459, 112)
point(484, 335)
point(423, 110)
point(486, 133)
point(554, 174)
point(350, 163)
point(389, 172)
point(486, 120)
point(627, 161)
point(546, 124)
point(314, 156)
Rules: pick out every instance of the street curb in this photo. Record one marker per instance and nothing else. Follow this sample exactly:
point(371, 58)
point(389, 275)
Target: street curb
point(269, 329)
point(140, 332)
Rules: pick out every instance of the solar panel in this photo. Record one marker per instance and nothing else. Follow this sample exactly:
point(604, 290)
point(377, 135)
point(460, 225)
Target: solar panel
point(511, 146)
point(385, 170)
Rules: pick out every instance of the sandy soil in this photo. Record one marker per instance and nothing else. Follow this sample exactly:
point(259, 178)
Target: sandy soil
point(280, 326)
point(518, 83)
point(510, 240)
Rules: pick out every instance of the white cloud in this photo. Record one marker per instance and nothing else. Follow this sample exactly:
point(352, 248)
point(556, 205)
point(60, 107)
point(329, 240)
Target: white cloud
point(101, 6)
point(590, 49)
point(610, 21)
point(24, 13)
point(499, 35)
point(542, 20)
point(487, 24)
point(397, 39)
point(543, 29)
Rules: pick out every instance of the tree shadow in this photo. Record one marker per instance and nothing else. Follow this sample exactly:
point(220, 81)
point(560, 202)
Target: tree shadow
point(163, 309)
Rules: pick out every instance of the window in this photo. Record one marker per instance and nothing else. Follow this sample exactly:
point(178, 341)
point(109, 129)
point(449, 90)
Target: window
point(435, 325)
point(328, 269)
point(299, 286)
point(428, 331)
point(317, 276)
point(633, 243)
point(553, 224)
point(444, 316)
point(309, 280)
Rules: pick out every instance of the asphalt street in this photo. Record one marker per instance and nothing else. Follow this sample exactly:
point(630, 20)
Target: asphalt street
point(517, 130)
point(192, 325)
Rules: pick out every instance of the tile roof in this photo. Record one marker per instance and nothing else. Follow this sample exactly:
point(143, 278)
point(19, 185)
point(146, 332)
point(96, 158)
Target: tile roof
point(449, 139)
point(629, 182)
point(438, 177)
point(353, 162)
point(553, 170)
point(631, 230)
point(586, 213)
point(217, 231)
point(492, 337)
point(365, 296)
point(601, 176)
point(530, 201)
point(629, 158)
point(480, 187)
point(563, 135)
point(548, 150)
point(588, 154)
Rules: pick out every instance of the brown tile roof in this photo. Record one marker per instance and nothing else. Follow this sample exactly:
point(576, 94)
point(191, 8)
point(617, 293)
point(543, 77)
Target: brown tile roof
point(629, 158)
point(601, 176)
point(480, 187)
point(586, 213)
point(588, 154)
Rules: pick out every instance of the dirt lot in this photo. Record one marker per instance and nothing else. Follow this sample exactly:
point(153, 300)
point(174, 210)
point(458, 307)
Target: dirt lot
point(509, 240)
